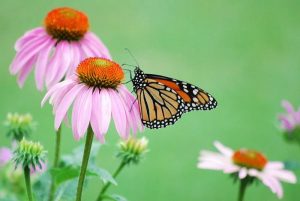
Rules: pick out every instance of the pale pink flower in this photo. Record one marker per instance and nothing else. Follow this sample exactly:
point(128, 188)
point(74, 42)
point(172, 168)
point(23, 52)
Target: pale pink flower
point(291, 119)
point(5, 156)
point(245, 163)
point(98, 95)
point(57, 48)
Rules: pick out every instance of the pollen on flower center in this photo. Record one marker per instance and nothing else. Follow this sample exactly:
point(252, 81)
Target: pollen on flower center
point(66, 24)
point(100, 72)
point(249, 159)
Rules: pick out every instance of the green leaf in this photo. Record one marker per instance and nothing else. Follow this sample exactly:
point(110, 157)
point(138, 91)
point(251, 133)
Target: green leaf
point(41, 187)
point(75, 158)
point(67, 191)
point(104, 175)
point(116, 197)
point(66, 173)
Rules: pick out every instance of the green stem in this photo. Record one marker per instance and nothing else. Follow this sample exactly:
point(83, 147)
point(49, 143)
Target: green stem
point(28, 183)
point(85, 160)
point(56, 161)
point(104, 189)
point(242, 190)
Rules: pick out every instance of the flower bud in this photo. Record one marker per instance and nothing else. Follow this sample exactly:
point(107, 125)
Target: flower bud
point(30, 154)
point(132, 150)
point(19, 125)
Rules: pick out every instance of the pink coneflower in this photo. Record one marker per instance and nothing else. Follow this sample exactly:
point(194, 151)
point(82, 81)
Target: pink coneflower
point(5, 156)
point(247, 165)
point(56, 48)
point(98, 94)
point(291, 120)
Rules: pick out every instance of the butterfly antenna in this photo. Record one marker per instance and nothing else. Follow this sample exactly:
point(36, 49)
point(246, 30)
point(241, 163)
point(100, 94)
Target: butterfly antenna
point(129, 52)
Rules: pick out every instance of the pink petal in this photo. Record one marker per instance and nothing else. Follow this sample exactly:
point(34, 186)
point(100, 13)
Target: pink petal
point(85, 110)
point(86, 50)
point(55, 65)
point(134, 108)
point(223, 149)
point(75, 115)
point(65, 61)
point(243, 173)
point(27, 53)
point(5, 156)
point(92, 38)
point(118, 113)
point(55, 88)
point(41, 64)
point(273, 184)
point(288, 106)
point(28, 36)
point(104, 109)
point(65, 104)
point(24, 72)
point(286, 123)
point(284, 175)
point(96, 116)
point(75, 60)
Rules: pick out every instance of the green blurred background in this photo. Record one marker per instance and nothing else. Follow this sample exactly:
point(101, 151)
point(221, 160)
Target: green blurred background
point(246, 53)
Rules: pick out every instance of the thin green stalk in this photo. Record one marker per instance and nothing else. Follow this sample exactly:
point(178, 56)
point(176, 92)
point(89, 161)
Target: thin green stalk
point(28, 183)
point(104, 189)
point(242, 190)
point(85, 160)
point(55, 162)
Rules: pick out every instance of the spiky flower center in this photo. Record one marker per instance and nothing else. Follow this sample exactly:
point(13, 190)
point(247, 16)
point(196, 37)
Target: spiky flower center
point(66, 24)
point(249, 159)
point(100, 73)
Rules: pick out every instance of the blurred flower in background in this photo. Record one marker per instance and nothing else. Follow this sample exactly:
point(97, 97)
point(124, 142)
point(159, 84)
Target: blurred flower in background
point(247, 165)
point(5, 156)
point(19, 125)
point(57, 48)
point(290, 122)
point(98, 94)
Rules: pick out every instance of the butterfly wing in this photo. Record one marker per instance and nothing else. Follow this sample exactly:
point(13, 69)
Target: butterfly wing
point(194, 98)
point(160, 106)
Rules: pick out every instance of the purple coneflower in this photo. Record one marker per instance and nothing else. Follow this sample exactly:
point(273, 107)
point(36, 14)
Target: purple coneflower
point(247, 165)
point(5, 156)
point(291, 120)
point(98, 94)
point(56, 48)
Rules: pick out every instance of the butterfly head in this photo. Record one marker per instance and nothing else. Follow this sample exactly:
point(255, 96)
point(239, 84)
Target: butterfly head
point(138, 79)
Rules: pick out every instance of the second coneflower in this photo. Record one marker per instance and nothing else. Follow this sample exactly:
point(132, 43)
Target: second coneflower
point(56, 48)
point(98, 95)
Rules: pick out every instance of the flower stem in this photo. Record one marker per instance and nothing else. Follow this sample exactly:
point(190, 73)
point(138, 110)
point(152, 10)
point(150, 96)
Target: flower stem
point(85, 160)
point(28, 183)
point(242, 190)
point(56, 161)
point(104, 189)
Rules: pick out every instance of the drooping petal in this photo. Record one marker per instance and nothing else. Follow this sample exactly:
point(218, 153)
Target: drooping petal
point(105, 109)
point(223, 149)
point(286, 123)
point(242, 173)
point(27, 53)
point(85, 110)
point(55, 88)
point(28, 36)
point(55, 64)
point(64, 64)
point(96, 116)
point(24, 72)
point(92, 38)
point(75, 60)
point(65, 104)
point(118, 113)
point(41, 64)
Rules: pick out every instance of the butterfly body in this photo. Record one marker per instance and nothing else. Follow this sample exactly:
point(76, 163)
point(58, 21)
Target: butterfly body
point(163, 100)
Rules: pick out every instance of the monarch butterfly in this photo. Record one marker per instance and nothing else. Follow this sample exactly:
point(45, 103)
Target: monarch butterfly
point(163, 100)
